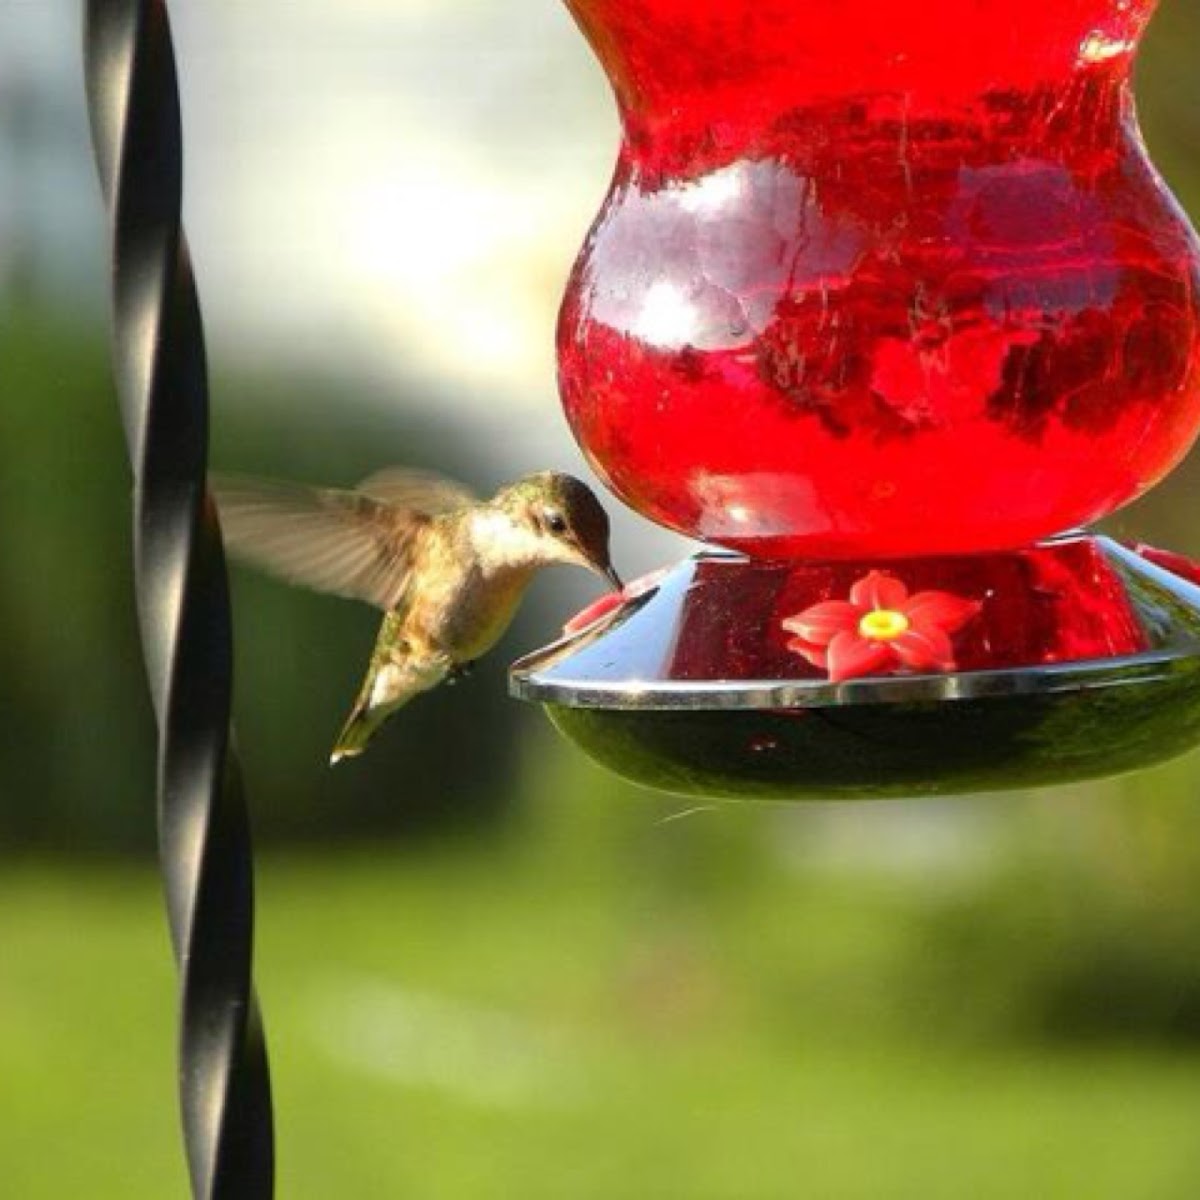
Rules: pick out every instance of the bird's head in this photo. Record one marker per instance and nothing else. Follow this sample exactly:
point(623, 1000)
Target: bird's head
point(560, 521)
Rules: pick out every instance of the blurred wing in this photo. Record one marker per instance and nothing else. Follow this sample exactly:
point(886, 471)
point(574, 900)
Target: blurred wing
point(422, 491)
point(345, 543)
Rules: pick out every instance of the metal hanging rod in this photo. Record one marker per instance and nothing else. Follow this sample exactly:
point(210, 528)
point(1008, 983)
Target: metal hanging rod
point(183, 598)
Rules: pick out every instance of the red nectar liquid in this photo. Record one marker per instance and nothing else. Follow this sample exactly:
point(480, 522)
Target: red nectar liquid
point(880, 277)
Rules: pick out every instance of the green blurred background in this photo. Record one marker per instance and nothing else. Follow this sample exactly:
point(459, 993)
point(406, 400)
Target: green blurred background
point(488, 969)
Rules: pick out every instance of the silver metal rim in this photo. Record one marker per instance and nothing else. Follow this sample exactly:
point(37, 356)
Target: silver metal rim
point(527, 684)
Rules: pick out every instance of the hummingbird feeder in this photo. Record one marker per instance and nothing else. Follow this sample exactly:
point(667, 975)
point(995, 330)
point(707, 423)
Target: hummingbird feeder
point(886, 304)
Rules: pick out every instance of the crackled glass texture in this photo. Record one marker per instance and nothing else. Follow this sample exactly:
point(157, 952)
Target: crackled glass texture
point(879, 277)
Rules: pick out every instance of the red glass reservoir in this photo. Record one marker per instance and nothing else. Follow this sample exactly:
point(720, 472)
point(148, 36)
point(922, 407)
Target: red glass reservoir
point(879, 277)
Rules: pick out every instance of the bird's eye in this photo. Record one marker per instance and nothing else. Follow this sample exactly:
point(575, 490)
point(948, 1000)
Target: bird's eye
point(555, 521)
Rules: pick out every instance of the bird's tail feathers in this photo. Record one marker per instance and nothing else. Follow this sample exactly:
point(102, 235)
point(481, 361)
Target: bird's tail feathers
point(384, 692)
point(355, 735)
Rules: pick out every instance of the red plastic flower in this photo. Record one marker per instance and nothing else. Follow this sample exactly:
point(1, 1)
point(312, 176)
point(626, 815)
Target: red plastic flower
point(611, 601)
point(881, 628)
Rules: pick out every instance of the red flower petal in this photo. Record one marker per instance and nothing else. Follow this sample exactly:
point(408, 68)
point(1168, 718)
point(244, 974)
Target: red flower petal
point(823, 622)
point(943, 609)
point(925, 648)
point(877, 590)
point(818, 656)
point(613, 600)
point(594, 612)
point(851, 656)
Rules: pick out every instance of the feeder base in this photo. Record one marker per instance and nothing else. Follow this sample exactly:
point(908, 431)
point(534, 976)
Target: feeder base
point(1085, 662)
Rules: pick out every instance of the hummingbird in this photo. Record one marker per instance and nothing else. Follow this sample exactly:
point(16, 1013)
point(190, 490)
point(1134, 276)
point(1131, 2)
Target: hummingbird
point(447, 569)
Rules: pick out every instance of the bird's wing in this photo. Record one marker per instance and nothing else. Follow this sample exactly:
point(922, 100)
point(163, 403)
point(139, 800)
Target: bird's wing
point(422, 491)
point(348, 543)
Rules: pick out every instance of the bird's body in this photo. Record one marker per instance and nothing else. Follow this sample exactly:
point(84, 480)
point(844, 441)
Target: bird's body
point(449, 571)
point(460, 608)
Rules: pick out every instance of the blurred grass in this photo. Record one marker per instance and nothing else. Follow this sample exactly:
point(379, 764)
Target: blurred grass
point(401, 1070)
point(616, 1001)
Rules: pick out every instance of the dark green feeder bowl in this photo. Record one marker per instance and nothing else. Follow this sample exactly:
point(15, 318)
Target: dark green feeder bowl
point(1083, 662)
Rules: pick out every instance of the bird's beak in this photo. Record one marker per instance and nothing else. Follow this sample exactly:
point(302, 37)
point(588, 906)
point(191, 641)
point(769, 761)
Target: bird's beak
point(601, 565)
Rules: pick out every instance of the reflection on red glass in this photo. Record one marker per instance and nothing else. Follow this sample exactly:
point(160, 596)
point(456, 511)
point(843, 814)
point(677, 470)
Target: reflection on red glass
point(880, 277)
point(1048, 604)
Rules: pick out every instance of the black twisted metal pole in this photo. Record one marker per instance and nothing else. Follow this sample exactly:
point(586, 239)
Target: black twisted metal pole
point(183, 599)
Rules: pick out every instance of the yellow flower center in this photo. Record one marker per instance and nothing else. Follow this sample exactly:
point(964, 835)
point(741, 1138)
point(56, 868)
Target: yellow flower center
point(883, 625)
